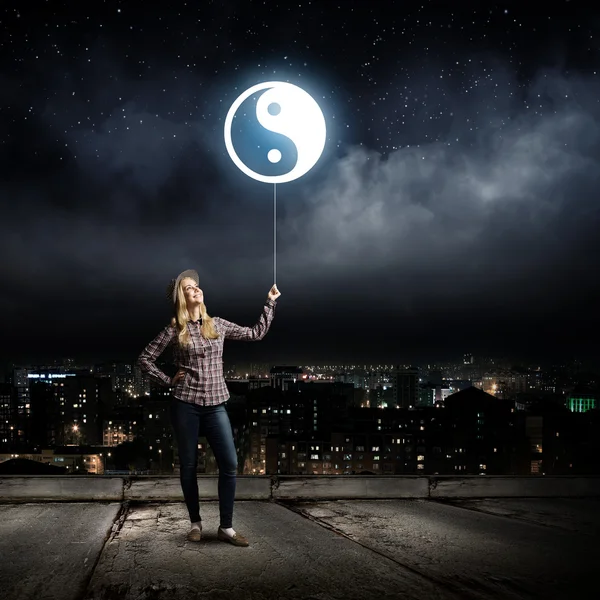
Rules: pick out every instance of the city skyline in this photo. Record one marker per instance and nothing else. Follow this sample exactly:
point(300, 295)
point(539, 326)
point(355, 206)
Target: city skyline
point(454, 206)
point(114, 415)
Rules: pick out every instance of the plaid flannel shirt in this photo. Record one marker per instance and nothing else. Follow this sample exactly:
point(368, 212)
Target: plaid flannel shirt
point(202, 361)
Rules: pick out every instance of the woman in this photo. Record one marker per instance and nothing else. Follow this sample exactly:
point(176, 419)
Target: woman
point(199, 392)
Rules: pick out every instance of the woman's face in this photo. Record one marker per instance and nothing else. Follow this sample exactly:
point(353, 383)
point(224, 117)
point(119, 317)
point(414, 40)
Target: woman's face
point(192, 293)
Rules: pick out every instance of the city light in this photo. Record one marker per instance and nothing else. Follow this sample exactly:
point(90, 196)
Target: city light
point(373, 388)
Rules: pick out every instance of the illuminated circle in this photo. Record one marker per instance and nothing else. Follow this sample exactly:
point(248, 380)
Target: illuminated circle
point(287, 110)
point(274, 155)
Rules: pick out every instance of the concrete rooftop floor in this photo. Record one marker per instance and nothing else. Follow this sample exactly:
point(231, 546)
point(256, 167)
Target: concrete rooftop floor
point(345, 549)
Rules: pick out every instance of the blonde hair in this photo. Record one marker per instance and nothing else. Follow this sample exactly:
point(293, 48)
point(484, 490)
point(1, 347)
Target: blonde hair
point(182, 316)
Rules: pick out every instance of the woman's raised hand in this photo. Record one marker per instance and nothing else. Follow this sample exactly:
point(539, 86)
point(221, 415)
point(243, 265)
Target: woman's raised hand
point(274, 293)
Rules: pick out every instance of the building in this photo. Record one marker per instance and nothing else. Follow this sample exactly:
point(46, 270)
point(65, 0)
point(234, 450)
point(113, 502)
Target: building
point(582, 402)
point(8, 422)
point(284, 376)
point(80, 460)
point(406, 387)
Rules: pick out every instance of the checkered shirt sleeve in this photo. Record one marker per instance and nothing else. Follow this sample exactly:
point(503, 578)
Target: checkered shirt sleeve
point(231, 331)
point(152, 351)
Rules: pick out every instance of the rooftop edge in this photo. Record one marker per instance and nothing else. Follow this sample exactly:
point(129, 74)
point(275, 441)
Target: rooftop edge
point(92, 488)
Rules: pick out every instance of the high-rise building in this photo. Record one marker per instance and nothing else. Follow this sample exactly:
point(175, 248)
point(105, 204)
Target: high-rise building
point(8, 421)
point(406, 387)
point(158, 433)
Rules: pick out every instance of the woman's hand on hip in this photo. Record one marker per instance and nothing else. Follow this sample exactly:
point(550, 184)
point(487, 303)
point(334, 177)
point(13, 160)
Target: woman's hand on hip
point(179, 375)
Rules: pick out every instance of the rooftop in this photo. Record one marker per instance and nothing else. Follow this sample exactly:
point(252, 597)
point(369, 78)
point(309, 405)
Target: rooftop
point(325, 537)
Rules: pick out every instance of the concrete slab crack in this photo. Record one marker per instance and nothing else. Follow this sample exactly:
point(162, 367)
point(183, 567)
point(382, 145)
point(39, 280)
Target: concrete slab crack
point(117, 525)
point(511, 516)
point(119, 522)
point(433, 483)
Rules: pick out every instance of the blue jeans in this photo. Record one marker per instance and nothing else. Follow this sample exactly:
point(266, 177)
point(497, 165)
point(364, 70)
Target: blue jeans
point(189, 422)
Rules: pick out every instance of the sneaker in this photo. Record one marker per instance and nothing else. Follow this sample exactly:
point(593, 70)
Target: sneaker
point(236, 540)
point(195, 534)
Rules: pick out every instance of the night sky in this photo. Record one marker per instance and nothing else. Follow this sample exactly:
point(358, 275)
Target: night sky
point(455, 207)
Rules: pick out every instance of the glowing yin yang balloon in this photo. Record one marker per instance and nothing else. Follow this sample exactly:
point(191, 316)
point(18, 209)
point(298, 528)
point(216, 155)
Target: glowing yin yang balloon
point(297, 122)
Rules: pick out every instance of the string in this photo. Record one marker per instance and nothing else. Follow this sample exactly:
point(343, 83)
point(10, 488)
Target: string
point(274, 233)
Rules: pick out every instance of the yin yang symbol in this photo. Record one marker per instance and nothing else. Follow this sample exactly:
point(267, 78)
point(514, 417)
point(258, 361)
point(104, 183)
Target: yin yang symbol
point(275, 132)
